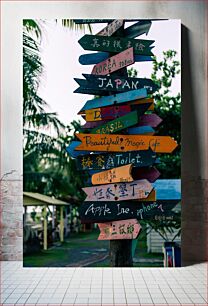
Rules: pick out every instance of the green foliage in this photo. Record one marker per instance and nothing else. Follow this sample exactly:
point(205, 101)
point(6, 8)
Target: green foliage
point(168, 107)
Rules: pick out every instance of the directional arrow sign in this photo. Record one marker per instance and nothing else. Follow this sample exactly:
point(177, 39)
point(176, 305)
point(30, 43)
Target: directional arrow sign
point(114, 63)
point(123, 229)
point(120, 191)
point(112, 160)
point(151, 174)
point(138, 28)
point(122, 143)
point(115, 99)
point(115, 175)
point(71, 149)
point(115, 44)
point(102, 85)
point(168, 189)
point(141, 130)
point(151, 197)
point(95, 212)
point(106, 113)
point(117, 124)
point(111, 28)
point(95, 58)
point(152, 120)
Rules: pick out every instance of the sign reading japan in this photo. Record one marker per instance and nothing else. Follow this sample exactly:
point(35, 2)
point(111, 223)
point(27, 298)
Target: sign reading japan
point(124, 229)
point(112, 160)
point(139, 189)
point(114, 63)
point(96, 83)
point(119, 143)
point(115, 44)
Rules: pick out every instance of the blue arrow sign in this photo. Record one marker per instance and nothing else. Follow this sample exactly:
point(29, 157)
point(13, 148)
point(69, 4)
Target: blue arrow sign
point(138, 28)
point(71, 149)
point(168, 189)
point(96, 58)
point(140, 130)
point(115, 99)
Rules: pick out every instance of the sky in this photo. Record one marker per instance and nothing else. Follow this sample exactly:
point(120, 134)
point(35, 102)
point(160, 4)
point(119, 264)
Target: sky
point(60, 52)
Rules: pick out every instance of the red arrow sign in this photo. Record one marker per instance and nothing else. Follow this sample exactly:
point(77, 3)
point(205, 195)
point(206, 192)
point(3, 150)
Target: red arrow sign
point(114, 63)
point(151, 174)
point(124, 229)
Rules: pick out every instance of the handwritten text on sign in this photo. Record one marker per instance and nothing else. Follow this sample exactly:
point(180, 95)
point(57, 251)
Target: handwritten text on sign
point(118, 192)
point(119, 143)
point(114, 63)
point(124, 229)
point(108, 161)
point(120, 174)
point(110, 211)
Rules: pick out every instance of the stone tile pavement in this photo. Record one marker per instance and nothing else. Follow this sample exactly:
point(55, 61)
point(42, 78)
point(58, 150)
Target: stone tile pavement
point(103, 286)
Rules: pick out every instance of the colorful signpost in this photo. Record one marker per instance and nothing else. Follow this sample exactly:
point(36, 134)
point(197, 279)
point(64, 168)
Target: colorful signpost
point(124, 186)
point(124, 229)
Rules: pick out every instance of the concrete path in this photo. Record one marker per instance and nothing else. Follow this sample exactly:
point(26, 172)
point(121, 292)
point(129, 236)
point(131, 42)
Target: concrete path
point(103, 286)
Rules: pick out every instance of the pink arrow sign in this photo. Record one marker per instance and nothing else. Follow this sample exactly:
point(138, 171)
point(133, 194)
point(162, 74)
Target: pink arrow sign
point(123, 229)
point(111, 28)
point(152, 120)
point(114, 63)
point(119, 192)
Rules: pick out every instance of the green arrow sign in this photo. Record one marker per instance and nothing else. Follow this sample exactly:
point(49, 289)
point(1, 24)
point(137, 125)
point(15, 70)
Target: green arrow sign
point(115, 44)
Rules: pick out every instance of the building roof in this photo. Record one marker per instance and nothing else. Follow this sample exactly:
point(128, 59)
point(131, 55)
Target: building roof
point(38, 199)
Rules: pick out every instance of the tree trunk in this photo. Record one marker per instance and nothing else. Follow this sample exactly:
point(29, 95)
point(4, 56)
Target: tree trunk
point(121, 253)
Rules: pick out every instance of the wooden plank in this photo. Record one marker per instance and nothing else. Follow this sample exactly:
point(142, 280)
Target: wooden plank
point(152, 120)
point(106, 161)
point(121, 143)
point(134, 104)
point(115, 99)
point(95, 58)
point(114, 63)
point(117, 125)
point(139, 28)
point(139, 189)
point(168, 189)
point(149, 173)
point(111, 28)
point(115, 44)
point(96, 84)
point(141, 130)
point(123, 229)
point(96, 212)
point(115, 175)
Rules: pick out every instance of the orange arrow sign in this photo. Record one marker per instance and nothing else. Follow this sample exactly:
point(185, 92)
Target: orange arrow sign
point(151, 197)
point(123, 229)
point(139, 189)
point(115, 175)
point(123, 143)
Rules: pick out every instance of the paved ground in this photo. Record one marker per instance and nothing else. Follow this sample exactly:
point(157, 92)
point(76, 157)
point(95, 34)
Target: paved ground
point(103, 286)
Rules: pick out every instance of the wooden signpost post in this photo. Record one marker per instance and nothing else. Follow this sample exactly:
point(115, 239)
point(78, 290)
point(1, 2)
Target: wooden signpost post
point(124, 185)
